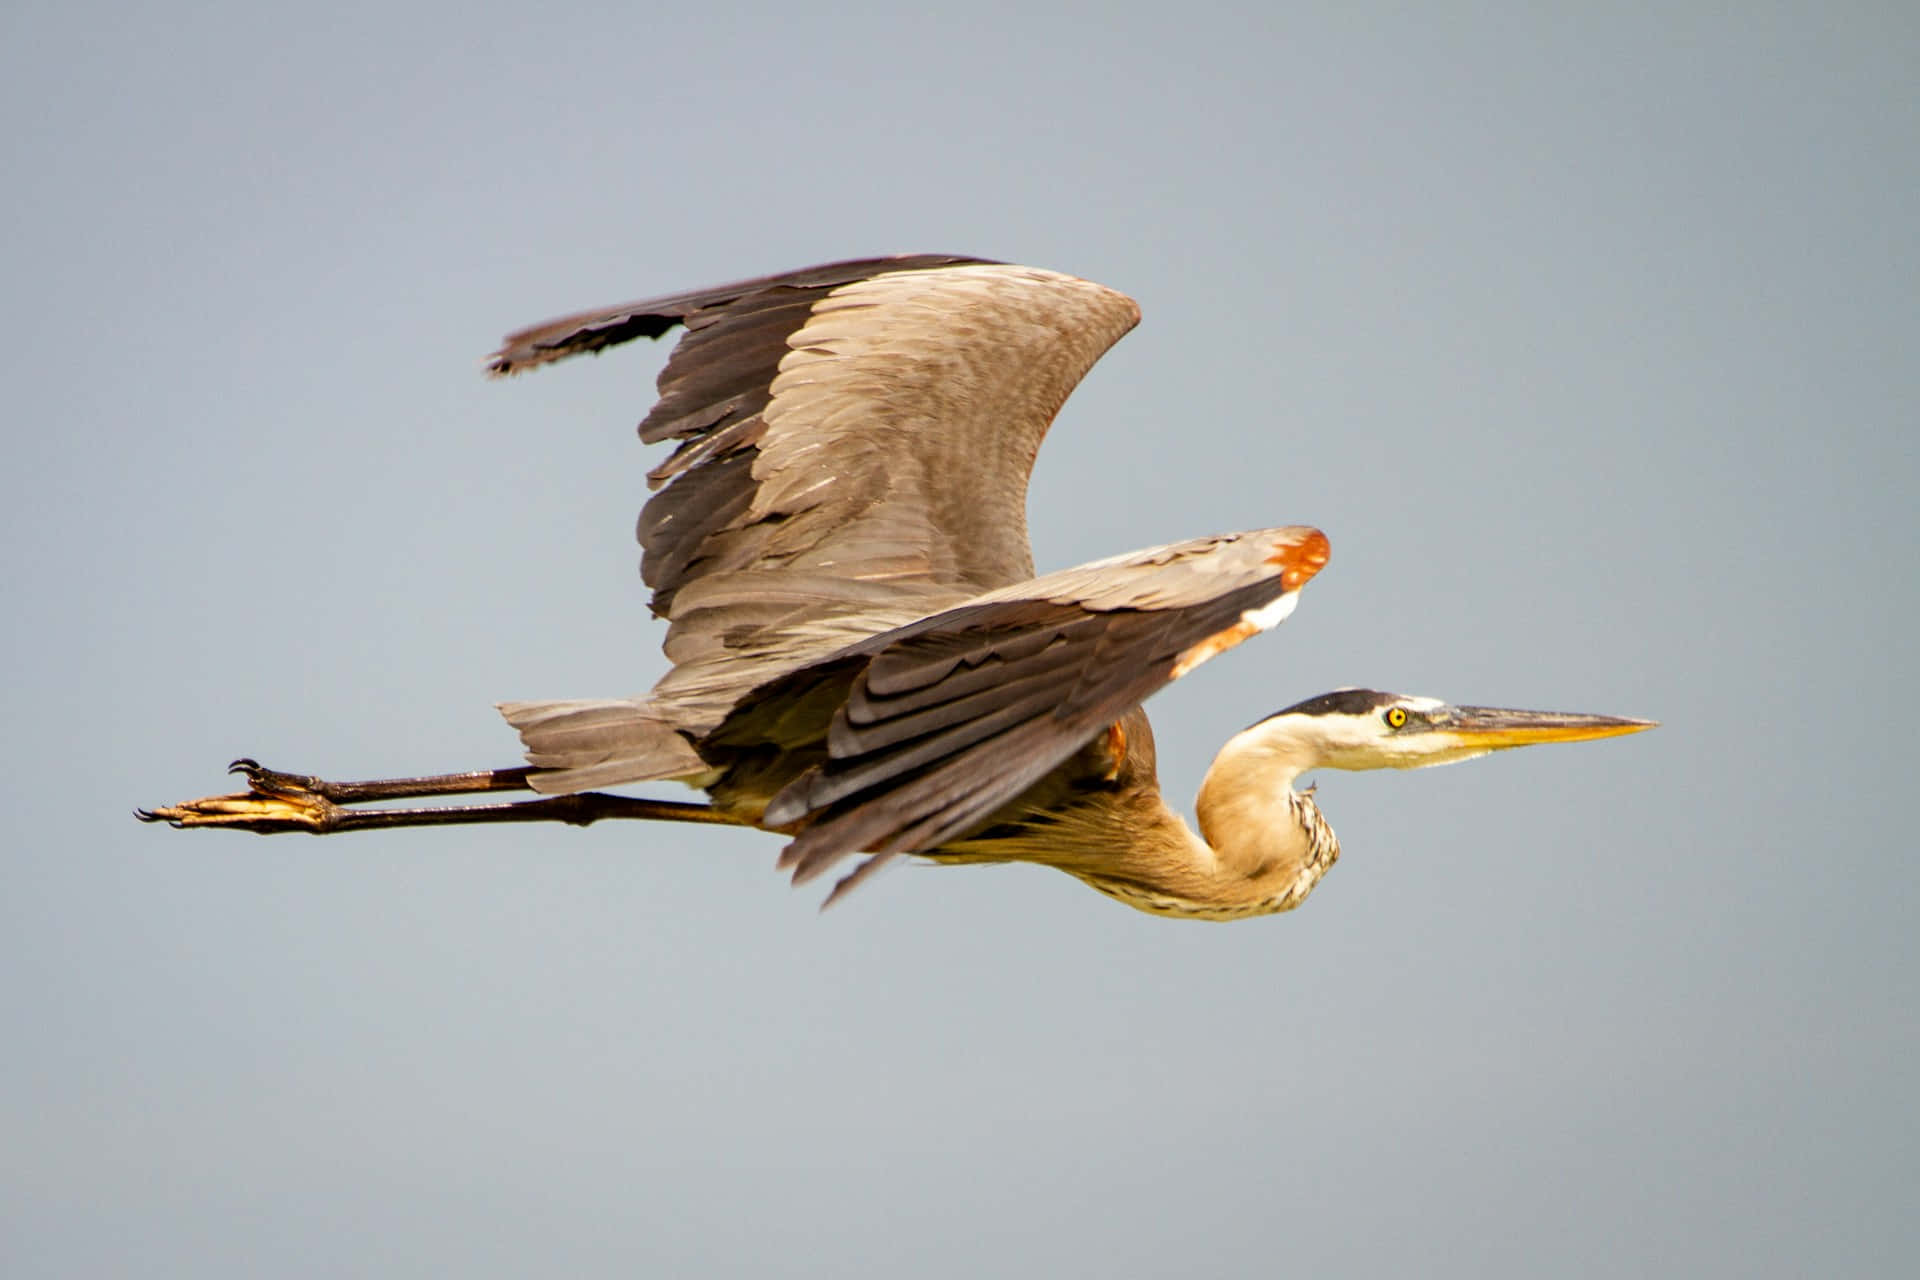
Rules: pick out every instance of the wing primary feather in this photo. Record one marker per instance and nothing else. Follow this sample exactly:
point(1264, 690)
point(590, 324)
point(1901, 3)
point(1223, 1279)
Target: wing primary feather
point(594, 331)
point(990, 671)
point(933, 789)
point(847, 778)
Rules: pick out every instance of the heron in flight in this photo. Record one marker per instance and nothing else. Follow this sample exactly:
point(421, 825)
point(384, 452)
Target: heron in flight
point(863, 659)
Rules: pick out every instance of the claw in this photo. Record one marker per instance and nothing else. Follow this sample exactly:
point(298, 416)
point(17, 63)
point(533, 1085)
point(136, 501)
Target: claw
point(262, 812)
point(265, 781)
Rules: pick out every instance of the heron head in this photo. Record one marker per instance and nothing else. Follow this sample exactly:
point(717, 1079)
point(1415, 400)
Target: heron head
point(1368, 729)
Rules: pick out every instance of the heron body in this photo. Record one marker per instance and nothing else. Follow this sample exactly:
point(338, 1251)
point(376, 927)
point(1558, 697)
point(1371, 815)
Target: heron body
point(863, 658)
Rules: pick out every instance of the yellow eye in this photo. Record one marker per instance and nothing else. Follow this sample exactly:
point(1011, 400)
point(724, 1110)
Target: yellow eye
point(1396, 717)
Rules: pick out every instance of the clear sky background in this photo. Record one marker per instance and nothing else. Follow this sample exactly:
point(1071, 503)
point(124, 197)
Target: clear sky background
point(1590, 338)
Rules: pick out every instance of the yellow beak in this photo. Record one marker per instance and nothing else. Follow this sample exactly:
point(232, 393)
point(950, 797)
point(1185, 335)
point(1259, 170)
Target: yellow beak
point(1496, 728)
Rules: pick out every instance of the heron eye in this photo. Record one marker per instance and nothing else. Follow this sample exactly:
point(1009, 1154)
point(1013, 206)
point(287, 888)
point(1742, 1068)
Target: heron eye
point(1396, 717)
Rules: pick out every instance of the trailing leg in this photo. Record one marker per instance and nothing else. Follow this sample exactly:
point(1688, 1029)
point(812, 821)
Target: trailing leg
point(277, 802)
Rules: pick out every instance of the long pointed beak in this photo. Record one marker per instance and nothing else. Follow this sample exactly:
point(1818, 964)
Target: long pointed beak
point(1497, 728)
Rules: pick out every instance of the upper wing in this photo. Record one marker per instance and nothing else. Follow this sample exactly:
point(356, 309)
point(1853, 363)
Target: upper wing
point(946, 721)
point(854, 437)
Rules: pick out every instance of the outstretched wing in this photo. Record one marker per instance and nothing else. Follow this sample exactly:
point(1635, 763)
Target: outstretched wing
point(854, 438)
point(946, 721)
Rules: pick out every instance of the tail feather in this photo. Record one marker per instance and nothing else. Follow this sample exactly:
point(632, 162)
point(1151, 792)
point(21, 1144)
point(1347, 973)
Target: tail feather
point(599, 742)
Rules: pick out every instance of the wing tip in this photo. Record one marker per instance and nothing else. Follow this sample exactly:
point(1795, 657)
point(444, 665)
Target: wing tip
point(521, 352)
point(592, 331)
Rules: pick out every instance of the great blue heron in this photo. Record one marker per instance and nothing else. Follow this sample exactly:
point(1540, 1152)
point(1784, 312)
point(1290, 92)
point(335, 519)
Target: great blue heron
point(863, 659)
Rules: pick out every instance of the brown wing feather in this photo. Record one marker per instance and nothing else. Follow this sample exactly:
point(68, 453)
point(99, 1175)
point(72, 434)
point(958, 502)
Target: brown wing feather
point(949, 720)
point(867, 424)
point(593, 331)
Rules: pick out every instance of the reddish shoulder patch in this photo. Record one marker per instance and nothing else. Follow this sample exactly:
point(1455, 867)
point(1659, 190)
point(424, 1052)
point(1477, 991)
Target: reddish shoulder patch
point(1300, 558)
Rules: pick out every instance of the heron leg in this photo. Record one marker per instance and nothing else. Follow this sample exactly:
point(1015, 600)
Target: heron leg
point(277, 802)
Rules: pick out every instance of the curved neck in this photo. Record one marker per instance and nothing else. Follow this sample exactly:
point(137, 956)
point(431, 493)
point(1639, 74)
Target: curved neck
point(1259, 829)
point(1261, 848)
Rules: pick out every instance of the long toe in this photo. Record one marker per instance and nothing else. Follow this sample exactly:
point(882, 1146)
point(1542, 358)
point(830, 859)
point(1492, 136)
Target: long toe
point(262, 812)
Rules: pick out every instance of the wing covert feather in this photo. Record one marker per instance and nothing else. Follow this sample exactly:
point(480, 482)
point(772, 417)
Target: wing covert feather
point(948, 720)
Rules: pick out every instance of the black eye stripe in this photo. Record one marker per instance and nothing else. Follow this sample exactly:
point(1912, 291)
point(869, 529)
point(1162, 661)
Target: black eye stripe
point(1346, 702)
point(1341, 702)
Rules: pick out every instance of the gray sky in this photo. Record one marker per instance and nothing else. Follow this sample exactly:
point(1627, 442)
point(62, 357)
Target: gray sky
point(1589, 340)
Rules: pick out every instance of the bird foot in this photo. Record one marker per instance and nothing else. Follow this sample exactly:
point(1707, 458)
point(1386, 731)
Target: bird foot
point(274, 802)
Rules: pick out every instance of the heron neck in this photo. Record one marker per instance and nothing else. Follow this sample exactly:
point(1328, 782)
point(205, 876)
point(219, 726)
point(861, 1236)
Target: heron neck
point(1266, 838)
point(1261, 847)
